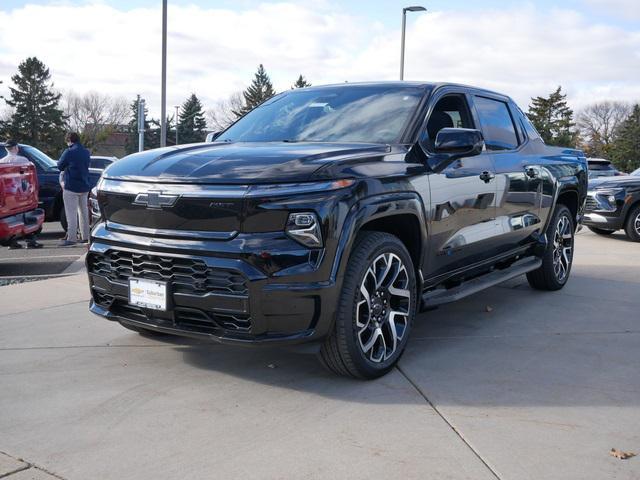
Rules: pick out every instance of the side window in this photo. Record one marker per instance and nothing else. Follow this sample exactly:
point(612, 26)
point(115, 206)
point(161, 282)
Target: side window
point(497, 125)
point(451, 111)
point(532, 133)
point(96, 163)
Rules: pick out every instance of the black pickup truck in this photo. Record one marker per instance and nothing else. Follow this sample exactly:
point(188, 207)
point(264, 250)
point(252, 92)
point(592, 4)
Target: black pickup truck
point(330, 216)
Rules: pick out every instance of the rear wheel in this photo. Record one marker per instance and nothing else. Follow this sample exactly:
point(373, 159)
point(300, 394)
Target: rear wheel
point(558, 257)
point(632, 225)
point(375, 311)
point(601, 231)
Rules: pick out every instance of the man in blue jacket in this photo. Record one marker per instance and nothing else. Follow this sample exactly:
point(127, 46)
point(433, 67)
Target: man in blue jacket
point(74, 162)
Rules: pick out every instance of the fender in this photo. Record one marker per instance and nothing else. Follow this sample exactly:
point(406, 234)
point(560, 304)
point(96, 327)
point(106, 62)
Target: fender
point(373, 208)
point(567, 185)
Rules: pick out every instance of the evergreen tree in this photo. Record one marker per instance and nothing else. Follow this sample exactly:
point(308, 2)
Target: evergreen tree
point(131, 145)
point(192, 126)
point(37, 118)
point(625, 151)
point(553, 119)
point(259, 91)
point(301, 83)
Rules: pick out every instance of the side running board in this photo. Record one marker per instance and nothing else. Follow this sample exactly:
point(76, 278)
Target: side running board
point(441, 295)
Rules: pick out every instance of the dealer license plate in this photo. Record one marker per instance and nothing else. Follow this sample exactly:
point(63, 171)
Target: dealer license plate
point(148, 293)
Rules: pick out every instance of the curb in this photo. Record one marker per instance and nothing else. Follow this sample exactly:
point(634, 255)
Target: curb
point(76, 267)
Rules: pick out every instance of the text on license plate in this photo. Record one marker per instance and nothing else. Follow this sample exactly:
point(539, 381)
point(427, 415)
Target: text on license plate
point(148, 293)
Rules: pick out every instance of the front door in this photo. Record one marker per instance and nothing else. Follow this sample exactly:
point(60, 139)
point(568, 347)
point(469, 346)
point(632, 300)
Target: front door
point(463, 211)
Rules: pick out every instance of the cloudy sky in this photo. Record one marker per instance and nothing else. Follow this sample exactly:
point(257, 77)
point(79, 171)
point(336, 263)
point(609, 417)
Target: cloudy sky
point(590, 47)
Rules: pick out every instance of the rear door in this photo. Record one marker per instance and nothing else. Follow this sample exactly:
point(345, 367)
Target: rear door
point(518, 172)
point(463, 211)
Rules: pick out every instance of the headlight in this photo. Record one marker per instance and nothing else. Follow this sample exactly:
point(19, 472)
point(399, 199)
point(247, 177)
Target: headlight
point(93, 203)
point(304, 228)
point(607, 198)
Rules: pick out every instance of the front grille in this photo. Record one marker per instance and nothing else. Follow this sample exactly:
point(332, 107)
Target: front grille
point(181, 317)
point(185, 275)
point(591, 203)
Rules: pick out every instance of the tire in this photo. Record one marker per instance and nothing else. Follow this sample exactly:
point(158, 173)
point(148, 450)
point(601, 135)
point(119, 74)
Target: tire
point(558, 256)
point(632, 225)
point(144, 331)
point(370, 335)
point(601, 231)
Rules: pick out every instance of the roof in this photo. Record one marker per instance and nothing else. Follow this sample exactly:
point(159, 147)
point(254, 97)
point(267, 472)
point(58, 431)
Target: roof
point(403, 83)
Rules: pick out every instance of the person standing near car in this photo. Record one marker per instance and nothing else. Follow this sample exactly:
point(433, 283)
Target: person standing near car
point(12, 156)
point(74, 162)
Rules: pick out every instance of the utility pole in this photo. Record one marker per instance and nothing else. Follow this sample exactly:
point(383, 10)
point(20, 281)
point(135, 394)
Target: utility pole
point(416, 8)
point(141, 122)
point(163, 96)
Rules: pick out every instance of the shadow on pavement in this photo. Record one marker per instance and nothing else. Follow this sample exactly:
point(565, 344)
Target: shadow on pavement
point(529, 348)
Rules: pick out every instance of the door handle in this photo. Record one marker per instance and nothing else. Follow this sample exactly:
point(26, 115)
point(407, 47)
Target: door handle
point(531, 172)
point(486, 177)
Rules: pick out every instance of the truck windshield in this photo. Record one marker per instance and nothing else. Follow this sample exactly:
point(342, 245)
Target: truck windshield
point(361, 114)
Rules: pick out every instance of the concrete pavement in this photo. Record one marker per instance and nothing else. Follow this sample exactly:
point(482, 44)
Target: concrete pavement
point(51, 260)
point(539, 385)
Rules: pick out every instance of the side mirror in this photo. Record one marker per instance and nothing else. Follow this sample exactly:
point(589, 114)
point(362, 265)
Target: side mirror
point(212, 136)
point(454, 143)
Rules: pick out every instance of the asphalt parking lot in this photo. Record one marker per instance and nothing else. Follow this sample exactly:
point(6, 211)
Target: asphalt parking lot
point(509, 383)
point(50, 260)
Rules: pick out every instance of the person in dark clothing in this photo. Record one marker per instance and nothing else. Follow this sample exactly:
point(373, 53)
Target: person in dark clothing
point(74, 162)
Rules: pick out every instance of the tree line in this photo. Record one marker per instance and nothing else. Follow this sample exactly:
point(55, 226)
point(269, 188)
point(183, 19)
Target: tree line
point(40, 116)
point(605, 129)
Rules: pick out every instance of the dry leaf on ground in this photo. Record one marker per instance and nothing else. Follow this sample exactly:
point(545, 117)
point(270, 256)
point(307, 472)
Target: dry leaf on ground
point(620, 454)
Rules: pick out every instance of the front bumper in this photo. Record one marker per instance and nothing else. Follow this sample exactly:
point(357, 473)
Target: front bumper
point(216, 291)
point(606, 221)
point(21, 225)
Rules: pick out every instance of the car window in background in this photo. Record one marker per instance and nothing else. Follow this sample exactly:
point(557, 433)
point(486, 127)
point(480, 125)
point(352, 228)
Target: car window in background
point(497, 125)
point(41, 159)
point(341, 114)
point(636, 172)
point(99, 163)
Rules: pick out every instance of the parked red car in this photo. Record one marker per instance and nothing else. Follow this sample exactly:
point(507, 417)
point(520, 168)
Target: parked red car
point(19, 212)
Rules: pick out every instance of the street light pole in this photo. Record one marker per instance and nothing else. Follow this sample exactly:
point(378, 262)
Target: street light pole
point(163, 95)
point(177, 107)
point(416, 8)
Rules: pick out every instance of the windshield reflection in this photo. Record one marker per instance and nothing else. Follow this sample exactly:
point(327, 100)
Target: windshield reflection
point(336, 114)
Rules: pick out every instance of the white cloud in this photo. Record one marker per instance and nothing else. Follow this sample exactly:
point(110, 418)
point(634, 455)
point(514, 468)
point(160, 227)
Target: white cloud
point(625, 9)
point(522, 51)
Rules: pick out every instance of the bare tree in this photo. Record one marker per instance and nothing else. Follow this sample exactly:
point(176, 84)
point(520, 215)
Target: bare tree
point(223, 112)
point(95, 115)
point(598, 124)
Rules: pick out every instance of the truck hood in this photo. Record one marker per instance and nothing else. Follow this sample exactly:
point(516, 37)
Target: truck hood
point(238, 163)
point(613, 182)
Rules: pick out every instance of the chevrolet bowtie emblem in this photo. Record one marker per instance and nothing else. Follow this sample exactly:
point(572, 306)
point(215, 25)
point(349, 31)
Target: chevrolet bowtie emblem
point(155, 199)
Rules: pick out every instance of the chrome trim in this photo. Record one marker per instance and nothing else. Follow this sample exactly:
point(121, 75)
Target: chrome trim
point(164, 233)
point(195, 190)
point(183, 190)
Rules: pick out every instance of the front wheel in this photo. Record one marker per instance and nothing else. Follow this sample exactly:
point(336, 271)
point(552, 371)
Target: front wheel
point(558, 257)
point(376, 309)
point(632, 225)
